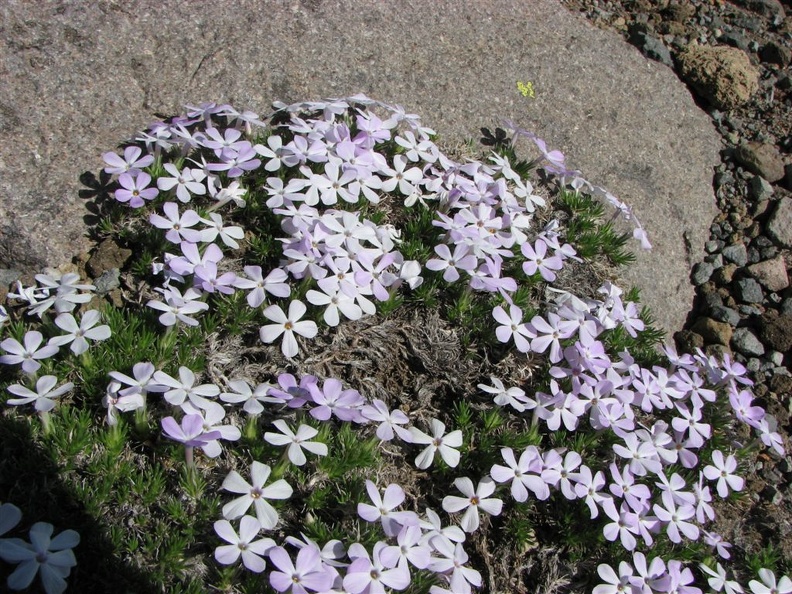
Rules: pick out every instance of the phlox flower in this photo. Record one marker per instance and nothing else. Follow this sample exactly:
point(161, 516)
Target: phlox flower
point(437, 442)
point(287, 325)
point(453, 564)
point(371, 574)
point(558, 472)
point(29, 352)
point(680, 578)
point(190, 432)
point(722, 469)
point(274, 283)
point(114, 400)
point(769, 585)
point(78, 334)
point(178, 307)
point(537, 261)
point(143, 373)
point(228, 233)
point(717, 580)
point(212, 418)
point(183, 392)
point(769, 436)
point(51, 558)
point(524, 475)
point(512, 328)
point(135, 190)
point(178, 225)
point(450, 264)
point(334, 301)
point(383, 506)
point(649, 577)
point(409, 549)
point(675, 517)
point(433, 527)
point(254, 399)
point(296, 441)
point(389, 421)
point(549, 333)
point(588, 487)
point(514, 397)
point(44, 395)
point(615, 583)
point(232, 193)
point(187, 182)
point(206, 275)
point(131, 161)
point(306, 574)
point(624, 526)
point(333, 400)
point(242, 544)
point(715, 540)
point(255, 494)
point(472, 501)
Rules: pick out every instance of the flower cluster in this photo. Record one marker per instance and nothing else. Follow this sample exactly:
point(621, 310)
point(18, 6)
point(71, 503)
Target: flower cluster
point(327, 212)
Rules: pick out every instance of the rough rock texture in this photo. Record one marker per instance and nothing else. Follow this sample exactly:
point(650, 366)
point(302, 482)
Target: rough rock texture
point(723, 76)
point(771, 273)
point(761, 159)
point(80, 78)
point(776, 332)
point(779, 227)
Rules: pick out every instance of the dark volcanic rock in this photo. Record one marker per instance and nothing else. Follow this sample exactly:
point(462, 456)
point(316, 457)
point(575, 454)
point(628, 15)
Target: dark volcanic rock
point(776, 332)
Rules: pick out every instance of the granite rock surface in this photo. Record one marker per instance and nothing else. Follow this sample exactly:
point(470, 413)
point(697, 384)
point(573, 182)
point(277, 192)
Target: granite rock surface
point(81, 78)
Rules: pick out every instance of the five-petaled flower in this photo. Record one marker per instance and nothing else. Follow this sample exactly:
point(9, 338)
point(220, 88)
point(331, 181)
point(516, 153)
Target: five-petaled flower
point(255, 494)
point(288, 325)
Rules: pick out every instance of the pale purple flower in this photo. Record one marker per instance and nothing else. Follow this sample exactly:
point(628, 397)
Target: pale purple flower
point(450, 264)
point(242, 544)
point(334, 301)
point(254, 399)
point(409, 549)
point(715, 540)
point(473, 500)
point(274, 283)
point(287, 325)
point(514, 396)
point(44, 395)
point(722, 470)
point(371, 575)
point(306, 574)
point(437, 442)
point(28, 353)
point(524, 475)
point(512, 328)
point(142, 372)
point(549, 333)
point(114, 401)
point(213, 417)
point(383, 506)
point(333, 400)
point(78, 334)
point(454, 562)
point(296, 441)
point(389, 421)
point(178, 225)
point(255, 494)
point(718, 581)
point(588, 487)
point(537, 261)
point(679, 579)
point(615, 583)
point(232, 193)
point(135, 190)
point(183, 392)
point(769, 585)
point(131, 161)
point(51, 558)
point(210, 280)
point(190, 432)
point(187, 182)
point(624, 526)
point(675, 517)
point(178, 307)
point(215, 228)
